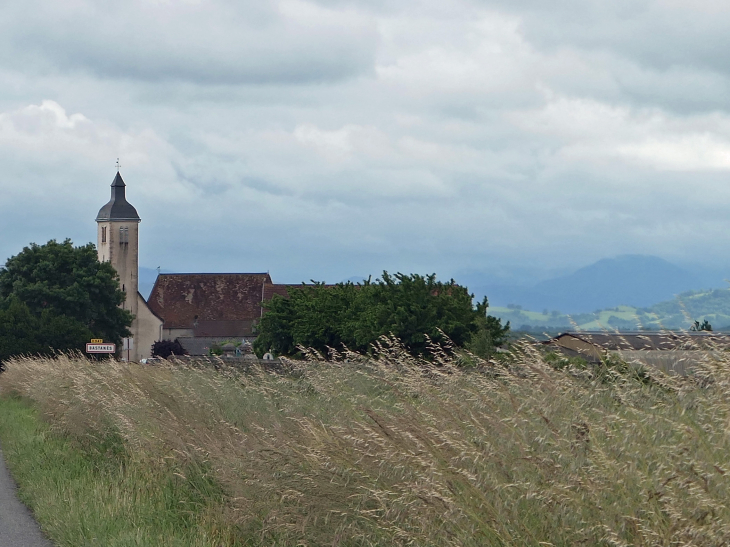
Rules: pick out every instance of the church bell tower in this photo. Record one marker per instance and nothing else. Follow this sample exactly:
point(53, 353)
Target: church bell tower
point(117, 242)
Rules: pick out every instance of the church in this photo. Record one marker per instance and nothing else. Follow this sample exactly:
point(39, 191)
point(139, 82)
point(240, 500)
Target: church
point(198, 309)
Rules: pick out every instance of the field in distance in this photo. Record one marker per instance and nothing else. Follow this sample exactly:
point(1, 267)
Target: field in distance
point(679, 313)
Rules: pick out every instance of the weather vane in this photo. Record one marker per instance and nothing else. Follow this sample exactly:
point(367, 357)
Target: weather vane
point(119, 165)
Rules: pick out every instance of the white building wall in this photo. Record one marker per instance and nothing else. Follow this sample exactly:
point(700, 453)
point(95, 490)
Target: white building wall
point(148, 330)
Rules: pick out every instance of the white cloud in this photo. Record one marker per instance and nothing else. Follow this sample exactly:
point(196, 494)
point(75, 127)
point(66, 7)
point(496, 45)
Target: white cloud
point(47, 130)
point(692, 152)
point(335, 138)
point(590, 131)
point(333, 145)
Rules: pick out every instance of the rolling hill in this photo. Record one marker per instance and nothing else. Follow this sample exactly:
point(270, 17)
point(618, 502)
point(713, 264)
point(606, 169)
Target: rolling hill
point(677, 313)
point(631, 280)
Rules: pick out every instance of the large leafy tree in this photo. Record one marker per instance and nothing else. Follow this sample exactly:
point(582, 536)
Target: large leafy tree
point(414, 308)
point(55, 297)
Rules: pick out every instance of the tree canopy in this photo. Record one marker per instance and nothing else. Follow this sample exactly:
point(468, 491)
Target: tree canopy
point(165, 348)
point(56, 297)
point(704, 326)
point(411, 307)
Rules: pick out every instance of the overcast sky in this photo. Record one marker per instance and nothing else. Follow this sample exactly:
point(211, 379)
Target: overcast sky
point(328, 139)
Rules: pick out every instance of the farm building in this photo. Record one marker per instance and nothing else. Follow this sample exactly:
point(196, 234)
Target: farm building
point(201, 309)
point(670, 351)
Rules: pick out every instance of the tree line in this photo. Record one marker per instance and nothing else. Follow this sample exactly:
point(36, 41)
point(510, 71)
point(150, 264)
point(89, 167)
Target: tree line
point(416, 309)
point(57, 297)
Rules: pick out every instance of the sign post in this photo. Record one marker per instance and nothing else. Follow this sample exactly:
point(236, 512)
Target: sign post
point(127, 344)
point(97, 345)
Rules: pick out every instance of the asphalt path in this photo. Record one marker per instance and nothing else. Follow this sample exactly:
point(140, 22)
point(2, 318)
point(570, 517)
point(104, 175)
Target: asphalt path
point(18, 528)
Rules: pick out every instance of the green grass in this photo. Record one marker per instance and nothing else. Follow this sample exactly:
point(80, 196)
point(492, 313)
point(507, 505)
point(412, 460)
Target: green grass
point(601, 320)
point(98, 494)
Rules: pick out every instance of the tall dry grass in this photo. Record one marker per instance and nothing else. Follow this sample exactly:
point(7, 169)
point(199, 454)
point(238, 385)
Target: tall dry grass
point(396, 451)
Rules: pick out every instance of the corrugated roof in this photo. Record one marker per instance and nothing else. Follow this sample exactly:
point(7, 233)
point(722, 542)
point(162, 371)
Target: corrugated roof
point(118, 207)
point(665, 340)
point(192, 300)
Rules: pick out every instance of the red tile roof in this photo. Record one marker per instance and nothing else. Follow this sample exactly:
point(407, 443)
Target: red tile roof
point(182, 300)
point(282, 289)
point(271, 289)
point(231, 329)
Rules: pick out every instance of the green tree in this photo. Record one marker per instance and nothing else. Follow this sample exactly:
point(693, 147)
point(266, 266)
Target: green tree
point(315, 316)
point(22, 333)
point(165, 348)
point(704, 326)
point(490, 332)
point(413, 308)
point(56, 297)
point(18, 329)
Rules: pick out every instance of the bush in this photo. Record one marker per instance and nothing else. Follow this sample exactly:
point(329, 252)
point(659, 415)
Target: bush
point(418, 310)
point(56, 297)
point(165, 348)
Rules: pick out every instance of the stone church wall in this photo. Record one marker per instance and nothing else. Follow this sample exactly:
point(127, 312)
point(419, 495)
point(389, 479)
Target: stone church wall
point(147, 329)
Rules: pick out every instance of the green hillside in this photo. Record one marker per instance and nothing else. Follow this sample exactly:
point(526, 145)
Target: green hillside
point(679, 313)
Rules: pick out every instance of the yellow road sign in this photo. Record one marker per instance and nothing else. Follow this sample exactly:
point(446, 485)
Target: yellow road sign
point(97, 340)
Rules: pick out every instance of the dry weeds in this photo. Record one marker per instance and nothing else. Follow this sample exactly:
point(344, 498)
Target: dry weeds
point(394, 450)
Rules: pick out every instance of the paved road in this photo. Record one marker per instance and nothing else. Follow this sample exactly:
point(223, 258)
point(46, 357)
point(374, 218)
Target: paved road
point(18, 528)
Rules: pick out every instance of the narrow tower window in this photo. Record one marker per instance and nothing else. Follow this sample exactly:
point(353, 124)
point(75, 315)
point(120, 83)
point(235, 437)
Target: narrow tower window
point(103, 234)
point(123, 235)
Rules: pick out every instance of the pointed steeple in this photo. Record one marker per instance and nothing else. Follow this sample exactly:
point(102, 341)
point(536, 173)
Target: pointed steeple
point(118, 207)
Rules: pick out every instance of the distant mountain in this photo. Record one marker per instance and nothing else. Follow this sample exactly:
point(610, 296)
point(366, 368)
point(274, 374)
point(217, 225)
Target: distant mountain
point(632, 280)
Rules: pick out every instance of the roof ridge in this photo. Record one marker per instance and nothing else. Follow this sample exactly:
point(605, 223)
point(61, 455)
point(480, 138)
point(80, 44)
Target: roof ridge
point(213, 273)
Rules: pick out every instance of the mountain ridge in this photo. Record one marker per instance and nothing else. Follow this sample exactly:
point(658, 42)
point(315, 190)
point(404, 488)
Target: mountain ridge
point(679, 313)
point(633, 280)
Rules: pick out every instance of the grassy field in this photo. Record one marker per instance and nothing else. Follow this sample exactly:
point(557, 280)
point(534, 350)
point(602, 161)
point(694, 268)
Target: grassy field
point(678, 313)
point(384, 451)
point(89, 492)
point(626, 316)
point(622, 313)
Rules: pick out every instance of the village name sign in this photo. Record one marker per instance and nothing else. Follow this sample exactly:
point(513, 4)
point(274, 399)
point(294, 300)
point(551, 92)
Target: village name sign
point(97, 345)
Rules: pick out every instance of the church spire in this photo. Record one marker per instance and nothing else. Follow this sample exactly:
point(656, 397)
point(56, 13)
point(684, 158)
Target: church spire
point(118, 207)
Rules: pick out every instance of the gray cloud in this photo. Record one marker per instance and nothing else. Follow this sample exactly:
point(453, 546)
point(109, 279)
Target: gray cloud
point(659, 36)
point(337, 138)
point(217, 42)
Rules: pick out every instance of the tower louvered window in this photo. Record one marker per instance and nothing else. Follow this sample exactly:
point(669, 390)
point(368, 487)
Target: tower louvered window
point(103, 234)
point(123, 235)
